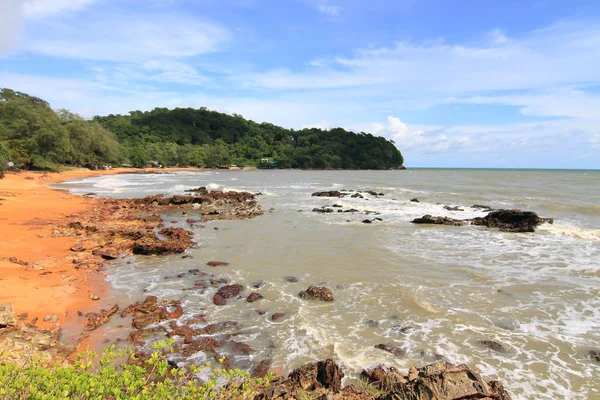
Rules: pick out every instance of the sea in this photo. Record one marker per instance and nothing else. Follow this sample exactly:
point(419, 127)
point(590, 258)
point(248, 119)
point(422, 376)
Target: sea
point(435, 291)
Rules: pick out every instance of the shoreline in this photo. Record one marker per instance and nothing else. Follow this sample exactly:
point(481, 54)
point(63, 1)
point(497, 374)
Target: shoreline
point(37, 274)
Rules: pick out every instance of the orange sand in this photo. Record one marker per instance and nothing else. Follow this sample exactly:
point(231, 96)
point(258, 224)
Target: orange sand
point(49, 284)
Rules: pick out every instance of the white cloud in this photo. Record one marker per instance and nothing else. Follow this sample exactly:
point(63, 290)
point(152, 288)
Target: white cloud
point(131, 38)
point(332, 11)
point(37, 9)
point(565, 53)
point(10, 25)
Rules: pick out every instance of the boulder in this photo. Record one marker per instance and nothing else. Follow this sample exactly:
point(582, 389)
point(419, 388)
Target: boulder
point(436, 381)
point(397, 351)
point(323, 210)
point(217, 263)
point(493, 345)
point(594, 355)
point(94, 320)
point(316, 293)
point(276, 316)
point(328, 193)
point(512, 220)
point(8, 317)
point(428, 219)
point(252, 297)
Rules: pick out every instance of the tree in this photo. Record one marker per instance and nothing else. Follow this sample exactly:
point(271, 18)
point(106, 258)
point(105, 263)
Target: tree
point(4, 158)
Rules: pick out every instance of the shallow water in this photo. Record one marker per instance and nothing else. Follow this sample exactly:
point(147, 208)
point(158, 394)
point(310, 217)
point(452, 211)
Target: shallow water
point(429, 289)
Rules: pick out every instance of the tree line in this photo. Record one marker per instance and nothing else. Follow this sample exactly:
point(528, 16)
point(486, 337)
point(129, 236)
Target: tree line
point(34, 136)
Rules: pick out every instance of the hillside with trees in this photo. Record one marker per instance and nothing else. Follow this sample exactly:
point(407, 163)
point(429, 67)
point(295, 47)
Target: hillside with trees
point(34, 136)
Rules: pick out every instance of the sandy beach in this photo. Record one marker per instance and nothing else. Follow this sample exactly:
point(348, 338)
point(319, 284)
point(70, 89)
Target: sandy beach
point(37, 273)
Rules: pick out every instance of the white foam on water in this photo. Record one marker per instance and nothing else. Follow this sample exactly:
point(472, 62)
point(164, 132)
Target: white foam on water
point(573, 231)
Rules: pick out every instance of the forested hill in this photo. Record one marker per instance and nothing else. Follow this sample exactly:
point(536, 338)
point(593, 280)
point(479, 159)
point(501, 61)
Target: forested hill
point(33, 134)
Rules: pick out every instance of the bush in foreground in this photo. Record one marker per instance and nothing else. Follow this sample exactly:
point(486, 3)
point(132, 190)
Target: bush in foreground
point(93, 377)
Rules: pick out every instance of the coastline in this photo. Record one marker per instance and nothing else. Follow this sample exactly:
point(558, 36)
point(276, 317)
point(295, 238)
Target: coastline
point(37, 274)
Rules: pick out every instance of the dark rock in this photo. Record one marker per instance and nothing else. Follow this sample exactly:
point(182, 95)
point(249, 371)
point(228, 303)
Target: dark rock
point(594, 355)
point(428, 219)
point(216, 263)
point(276, 316)
point(493, 345)
point(367, 221)
point(317, 293)
point(415, 200)
point(329, 193)
point(252, 297)
point(512, 220)
point(397, 351)
point(262, 369)
point(206, 344)
point(257, 284)
point(237, 348)
point(457, 208)
point(383, 378)
point(323, 210)
point(326, 374)
point(372, 323)
point(218, 327)
point(260, 312)
point(337, 206)
point(290, 279)
point(229, 291)
point(481, 207)
point(357, 196)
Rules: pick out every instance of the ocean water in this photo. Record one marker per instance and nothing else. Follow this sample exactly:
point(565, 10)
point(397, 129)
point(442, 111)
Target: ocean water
point(433, 290)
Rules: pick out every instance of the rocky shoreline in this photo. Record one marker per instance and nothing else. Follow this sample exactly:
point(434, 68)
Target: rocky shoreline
point(114, 228)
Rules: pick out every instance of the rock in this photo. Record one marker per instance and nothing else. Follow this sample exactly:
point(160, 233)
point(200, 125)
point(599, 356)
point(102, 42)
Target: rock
point(357, 196)
point(94, 320)
point(93, 296)
point(326, 374)
point(78, 247)
point(27, 345)
point(457, 208)
point(366, 221)
point(329, 193)
point(428, 219)
point(594, 355)
point(219, 300)
point(237, 348)
point(397, 351)
point(276, 316)
point(482, 207)
point(290, 279)
point(493, 345)
point(323, 210)
point(8, 317)
point(337, 206)
point(52, 318)
point(229, 291)
point(512, 220)
point(262, 369)
point(216, 263)
point(107, 254)
point(252, 297)
point(435, 381)
point(316, 293)
point(143, 320)
point(260, 312)
point(415, 200)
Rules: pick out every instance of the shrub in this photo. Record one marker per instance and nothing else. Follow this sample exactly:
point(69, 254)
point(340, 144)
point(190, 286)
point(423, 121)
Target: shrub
point(93, 377)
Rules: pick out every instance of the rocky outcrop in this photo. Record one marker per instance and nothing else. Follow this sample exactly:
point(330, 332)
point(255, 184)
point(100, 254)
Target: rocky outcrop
point(328, 193)
point(317, 293)
point(428, 219)
point(435, 381)
point(512, 220)
point(95, 320)
point(21, 345)
point(8, 317)
point(323, 380)
point(152, 311)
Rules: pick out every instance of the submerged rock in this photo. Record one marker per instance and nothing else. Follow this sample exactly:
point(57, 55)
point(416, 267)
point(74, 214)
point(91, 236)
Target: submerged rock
point(317, 293)
point(594, 355)
point(493, 345)
point(512, 220)
point(428, 219)
point(328, 193)
point(397, 351)
point(252, 297)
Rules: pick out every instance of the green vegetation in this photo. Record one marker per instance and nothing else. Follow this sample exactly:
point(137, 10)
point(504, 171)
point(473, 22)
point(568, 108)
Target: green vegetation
point(38, 137)
point(151, 378)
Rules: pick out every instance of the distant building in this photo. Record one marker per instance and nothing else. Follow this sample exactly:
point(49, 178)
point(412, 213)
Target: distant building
point(11, 164)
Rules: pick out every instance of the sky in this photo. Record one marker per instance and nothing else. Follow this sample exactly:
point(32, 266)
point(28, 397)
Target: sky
point(454, 83)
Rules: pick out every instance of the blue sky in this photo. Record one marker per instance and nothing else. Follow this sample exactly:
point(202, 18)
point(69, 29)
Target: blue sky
point(508, 84)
